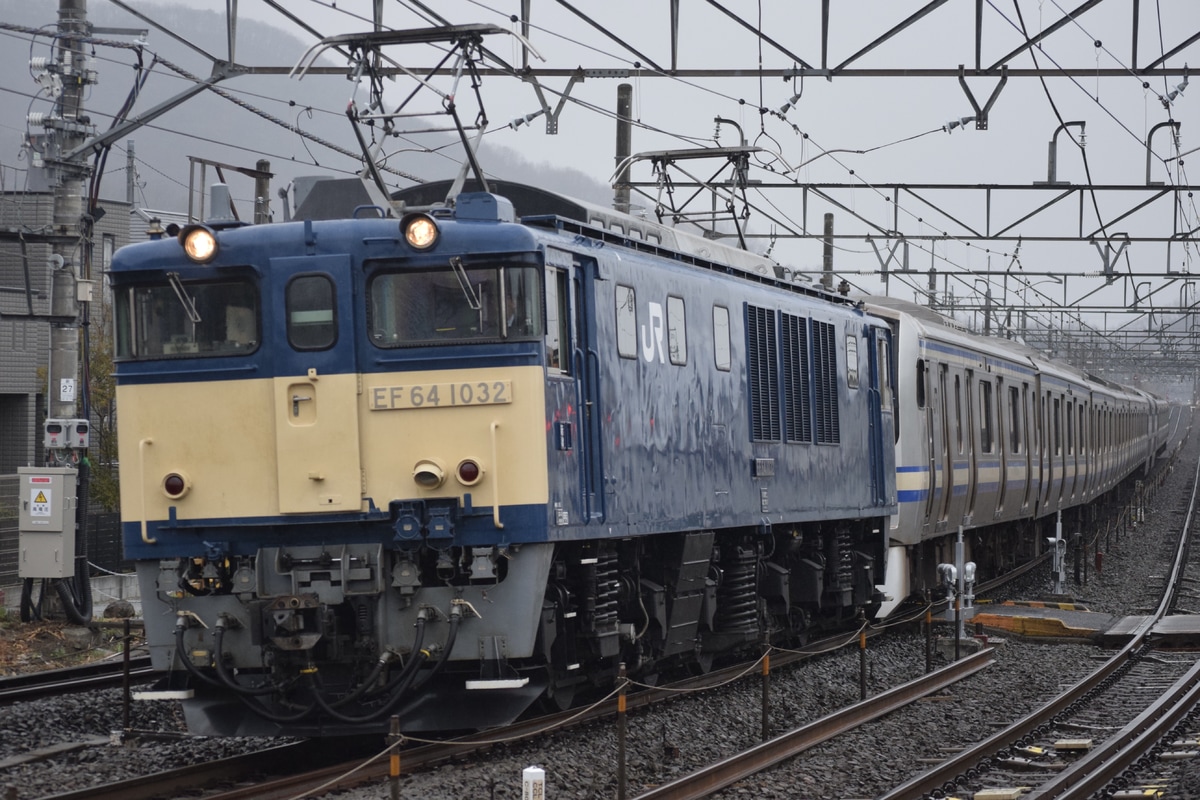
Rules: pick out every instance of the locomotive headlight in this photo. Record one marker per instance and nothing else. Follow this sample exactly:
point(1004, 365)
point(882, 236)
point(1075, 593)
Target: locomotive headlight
point(428, 474)
point(199, 242)
point(469, 472)
point(420, 231)
point(176, 484)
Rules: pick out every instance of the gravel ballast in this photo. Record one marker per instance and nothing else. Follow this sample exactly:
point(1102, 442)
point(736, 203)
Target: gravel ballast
point(691, 731)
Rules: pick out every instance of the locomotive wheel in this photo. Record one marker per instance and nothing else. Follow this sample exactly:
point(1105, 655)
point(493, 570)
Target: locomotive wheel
point(559, 695)
point(702, 664)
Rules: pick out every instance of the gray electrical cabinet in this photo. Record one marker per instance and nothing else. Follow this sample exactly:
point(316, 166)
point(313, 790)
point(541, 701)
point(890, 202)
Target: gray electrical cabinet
point(47, 522)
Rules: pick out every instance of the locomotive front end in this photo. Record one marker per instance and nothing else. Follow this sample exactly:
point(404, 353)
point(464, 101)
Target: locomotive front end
point(334, 480)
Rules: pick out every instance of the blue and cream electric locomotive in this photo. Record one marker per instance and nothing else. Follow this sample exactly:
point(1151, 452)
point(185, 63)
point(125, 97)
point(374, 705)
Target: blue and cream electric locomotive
point(445, 465)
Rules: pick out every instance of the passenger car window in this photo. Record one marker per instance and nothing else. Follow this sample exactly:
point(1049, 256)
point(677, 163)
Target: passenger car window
point(1014, 425)
point(985, 416)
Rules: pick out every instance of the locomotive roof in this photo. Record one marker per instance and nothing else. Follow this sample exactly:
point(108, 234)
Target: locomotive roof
point(330, 199)
point(531, 202)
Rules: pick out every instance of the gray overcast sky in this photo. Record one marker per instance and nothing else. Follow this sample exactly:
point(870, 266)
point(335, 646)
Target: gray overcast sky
point(897, 121)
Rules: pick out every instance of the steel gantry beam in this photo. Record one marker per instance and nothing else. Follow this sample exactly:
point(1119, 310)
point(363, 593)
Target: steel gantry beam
point(649, 46)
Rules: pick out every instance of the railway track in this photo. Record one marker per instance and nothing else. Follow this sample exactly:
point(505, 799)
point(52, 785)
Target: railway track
point(97, 675)
point(1136, 690)
point(252, 775)
point(1071, 747)
point(258, 768)
point(361, 768)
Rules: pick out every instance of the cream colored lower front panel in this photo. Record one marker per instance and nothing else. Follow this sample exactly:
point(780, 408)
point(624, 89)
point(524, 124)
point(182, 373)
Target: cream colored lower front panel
point(439, 418)
point(226, 455)
point(317, 444)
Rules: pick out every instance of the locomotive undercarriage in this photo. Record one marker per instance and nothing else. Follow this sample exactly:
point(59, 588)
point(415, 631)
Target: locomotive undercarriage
point(318, 639)
point(680, 602)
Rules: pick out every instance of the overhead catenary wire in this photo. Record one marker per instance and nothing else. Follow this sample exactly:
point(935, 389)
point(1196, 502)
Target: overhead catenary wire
point(606, 113)
point(221, 92)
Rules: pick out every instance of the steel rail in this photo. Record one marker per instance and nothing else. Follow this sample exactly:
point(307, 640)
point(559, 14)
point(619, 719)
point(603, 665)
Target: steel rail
point(186, 779)
point(69, 679)
point(946, 772)
point(347, 774)
point(1090, 774)
point(724, 773)
point(339, 777)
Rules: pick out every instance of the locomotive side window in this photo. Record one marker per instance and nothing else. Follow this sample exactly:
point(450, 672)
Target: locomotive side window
point(721, 348)
point(455, 303)
point(311, 317)
point(187, 320)
point(851, 361)
point(626, 322)
point(676, 331)
point(557, 317)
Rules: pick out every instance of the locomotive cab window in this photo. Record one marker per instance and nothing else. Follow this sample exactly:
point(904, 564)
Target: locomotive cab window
point(455, 303)
point(184, 319)
point(311, 317)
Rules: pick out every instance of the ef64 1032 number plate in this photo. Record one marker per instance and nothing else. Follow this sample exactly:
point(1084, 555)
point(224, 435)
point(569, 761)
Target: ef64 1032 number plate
point(440, 395)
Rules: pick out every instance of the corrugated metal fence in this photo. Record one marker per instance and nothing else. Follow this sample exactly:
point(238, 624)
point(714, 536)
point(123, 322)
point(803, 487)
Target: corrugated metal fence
point(103, 536)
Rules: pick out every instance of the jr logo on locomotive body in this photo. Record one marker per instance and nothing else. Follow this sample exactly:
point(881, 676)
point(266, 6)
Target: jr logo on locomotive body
point(652, 338)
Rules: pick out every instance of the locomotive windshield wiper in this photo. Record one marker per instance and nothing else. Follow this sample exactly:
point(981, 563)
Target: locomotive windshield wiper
point(185, 299)
point(460, 272)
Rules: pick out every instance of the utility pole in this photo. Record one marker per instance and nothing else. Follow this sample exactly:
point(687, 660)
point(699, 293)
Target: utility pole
point(52, 504)
point(71, 130)
point(130, 174)
point(624, 145)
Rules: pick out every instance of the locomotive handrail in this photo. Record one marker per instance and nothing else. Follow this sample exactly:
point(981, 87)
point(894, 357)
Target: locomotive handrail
point(201, 370)
point(585, 442)
point(593, 358)
point(142, 483)
point(496, 477)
